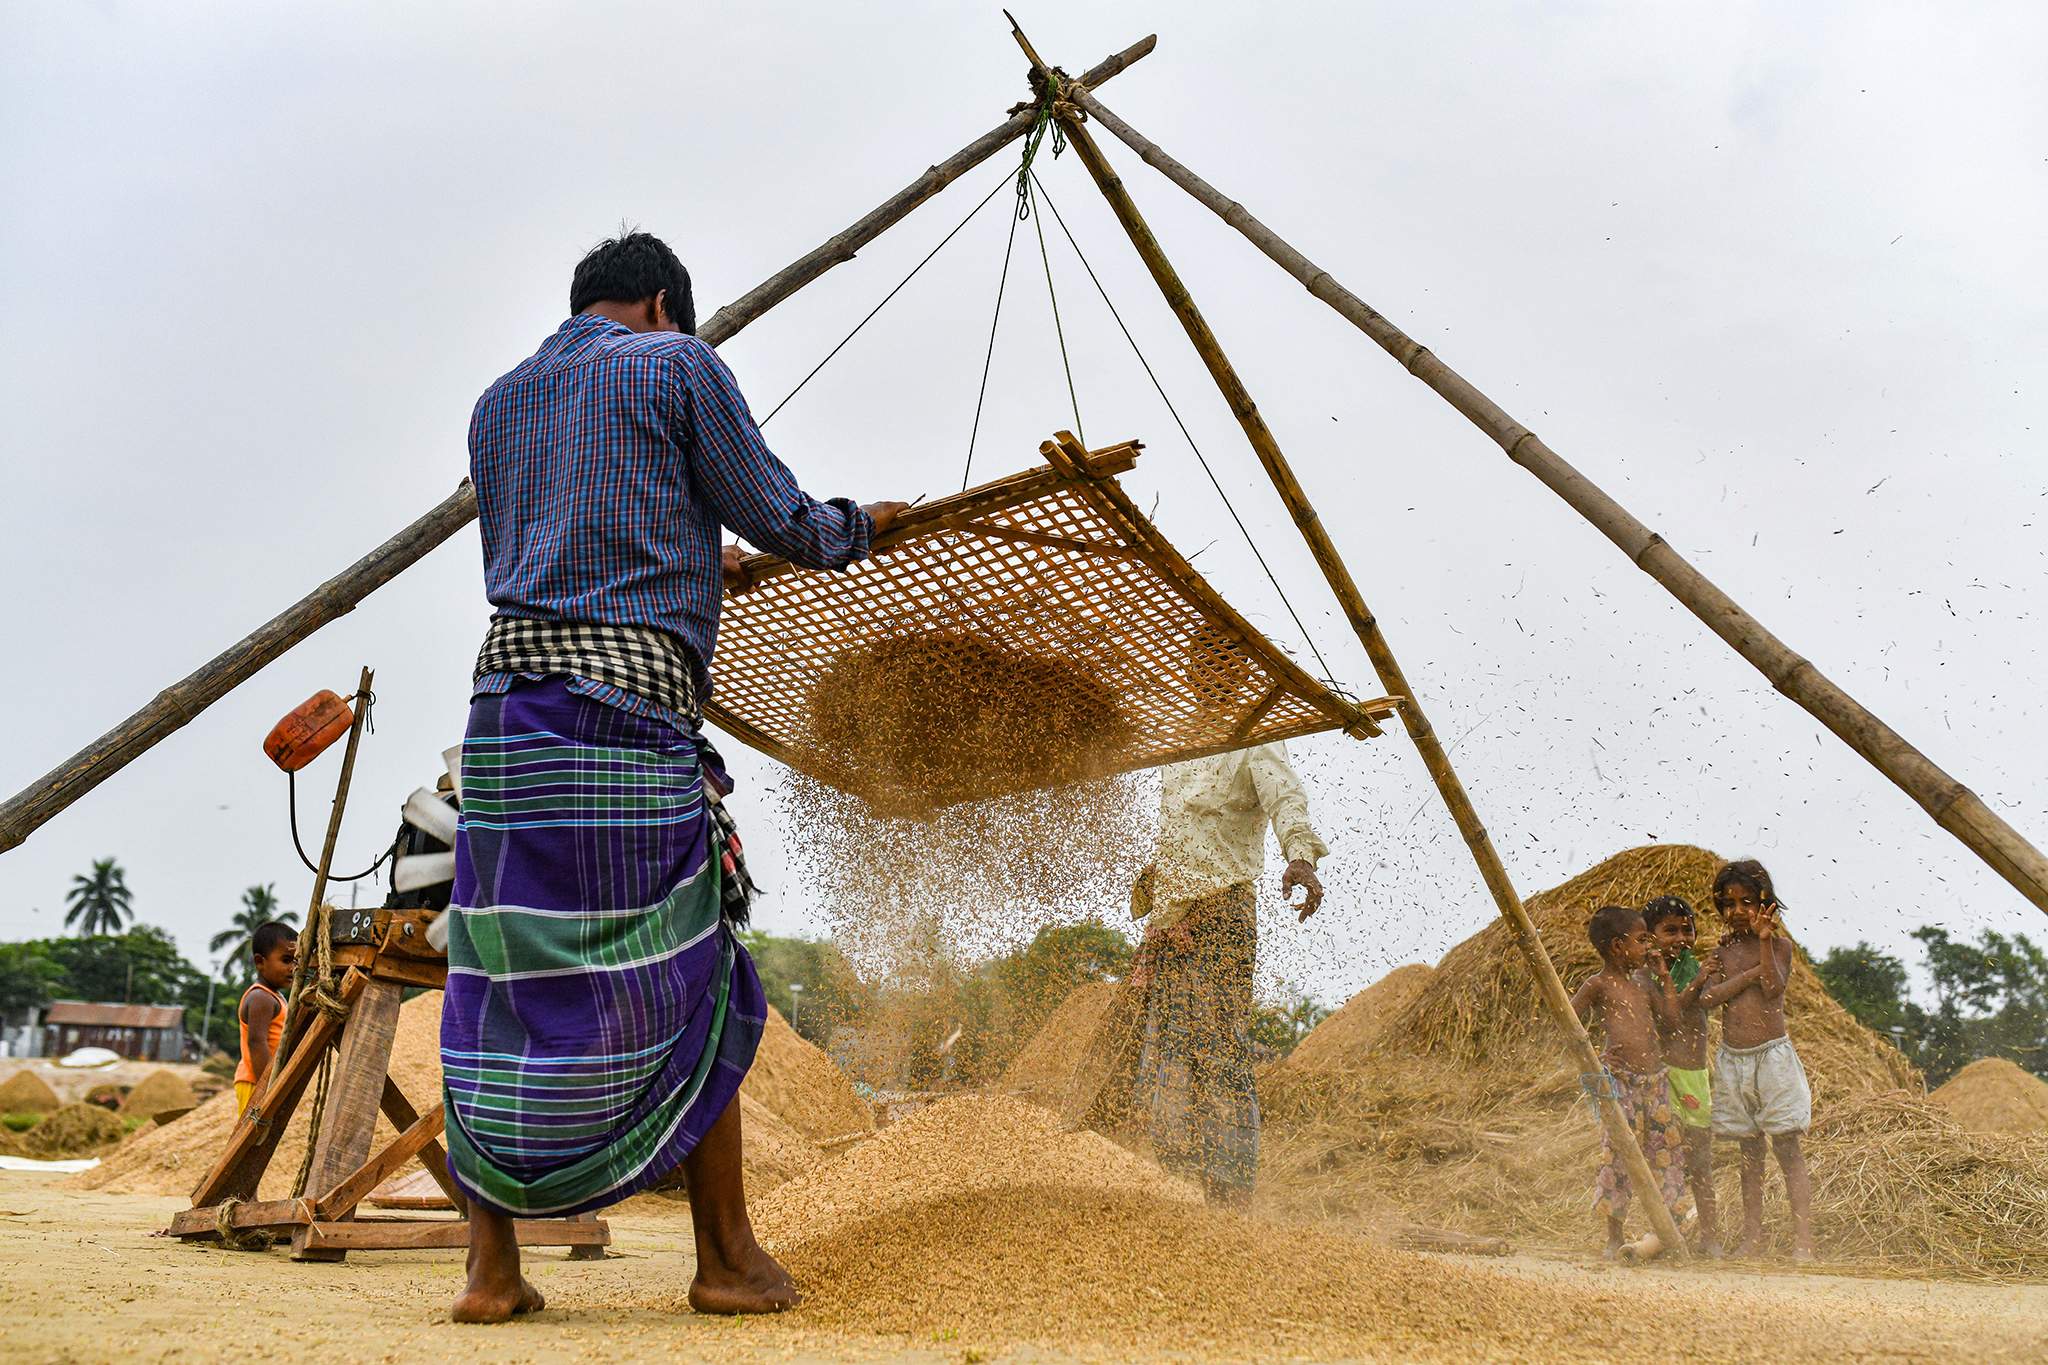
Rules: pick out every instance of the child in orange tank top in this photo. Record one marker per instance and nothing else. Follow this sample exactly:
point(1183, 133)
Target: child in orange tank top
point(275, 949)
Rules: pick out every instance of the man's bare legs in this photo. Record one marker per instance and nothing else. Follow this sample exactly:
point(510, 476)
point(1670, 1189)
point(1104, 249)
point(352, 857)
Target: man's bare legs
point(734, 1275)
point(1798, 1192)
point(496, 1290)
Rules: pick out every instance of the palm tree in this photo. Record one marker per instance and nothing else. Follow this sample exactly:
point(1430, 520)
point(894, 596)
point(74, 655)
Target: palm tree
point(259, 904)
point(99, 902)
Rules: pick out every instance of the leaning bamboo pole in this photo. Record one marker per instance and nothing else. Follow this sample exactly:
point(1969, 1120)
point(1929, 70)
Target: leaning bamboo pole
point(1492, 871)
point(1954, 807)
point(179, 703)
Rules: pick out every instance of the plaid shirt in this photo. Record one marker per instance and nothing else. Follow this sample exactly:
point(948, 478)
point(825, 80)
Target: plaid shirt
point(604, 467)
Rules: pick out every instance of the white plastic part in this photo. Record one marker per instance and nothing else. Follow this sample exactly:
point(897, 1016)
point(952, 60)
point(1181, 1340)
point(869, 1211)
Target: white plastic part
point(417, 870)
point(427, 812)
point(451, 759)
point(437, 932)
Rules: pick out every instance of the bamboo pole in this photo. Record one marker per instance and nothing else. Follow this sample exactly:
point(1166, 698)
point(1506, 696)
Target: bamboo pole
point(1491, 869)
point(178, 704)
point(1954, 807)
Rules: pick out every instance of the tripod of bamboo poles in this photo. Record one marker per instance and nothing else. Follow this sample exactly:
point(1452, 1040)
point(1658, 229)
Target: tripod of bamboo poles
point(1053, 87)
point(1953, 806)
point(179, 704)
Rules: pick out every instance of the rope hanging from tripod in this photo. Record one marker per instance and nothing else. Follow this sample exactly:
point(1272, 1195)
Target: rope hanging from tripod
point(1200, 459)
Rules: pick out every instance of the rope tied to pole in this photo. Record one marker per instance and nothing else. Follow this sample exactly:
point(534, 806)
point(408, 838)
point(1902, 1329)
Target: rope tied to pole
point(1044, 117)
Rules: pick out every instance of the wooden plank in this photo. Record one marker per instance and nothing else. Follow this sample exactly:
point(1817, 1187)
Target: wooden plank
point(350, 1120)
point(341, 1201)
point(265, 1213)
point(422, 1234)
point(399, 1110)
point(407, 972)
point(240, 1167)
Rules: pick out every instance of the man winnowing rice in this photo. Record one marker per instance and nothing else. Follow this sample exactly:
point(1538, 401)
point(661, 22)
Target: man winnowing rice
point(600, 1012)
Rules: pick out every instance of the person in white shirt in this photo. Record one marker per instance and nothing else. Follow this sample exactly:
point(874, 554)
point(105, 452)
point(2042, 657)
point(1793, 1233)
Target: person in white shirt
point(1198, 901)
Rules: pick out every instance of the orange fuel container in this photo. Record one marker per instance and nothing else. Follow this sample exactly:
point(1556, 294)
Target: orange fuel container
point(304, 735)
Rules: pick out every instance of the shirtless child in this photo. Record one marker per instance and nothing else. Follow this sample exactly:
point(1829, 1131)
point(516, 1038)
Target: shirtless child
point(1682, 1021)
point(1633, 1059)
point(1760, 1089)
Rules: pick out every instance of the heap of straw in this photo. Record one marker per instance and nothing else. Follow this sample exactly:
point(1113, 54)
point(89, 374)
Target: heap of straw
point(1463, 1111)
point(1993, 1095)
point(925, 721)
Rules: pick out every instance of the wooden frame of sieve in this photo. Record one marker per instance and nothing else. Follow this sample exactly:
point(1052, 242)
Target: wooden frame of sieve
point(1054, 561)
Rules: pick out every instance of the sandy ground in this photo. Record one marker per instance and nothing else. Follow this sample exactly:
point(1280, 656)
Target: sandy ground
point(83, 1278)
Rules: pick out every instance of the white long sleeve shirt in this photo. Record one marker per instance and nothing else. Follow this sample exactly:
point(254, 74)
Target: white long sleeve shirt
point(1213, 814)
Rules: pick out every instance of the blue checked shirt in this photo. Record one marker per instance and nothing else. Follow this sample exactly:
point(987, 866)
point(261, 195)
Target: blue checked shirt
point(605, 466)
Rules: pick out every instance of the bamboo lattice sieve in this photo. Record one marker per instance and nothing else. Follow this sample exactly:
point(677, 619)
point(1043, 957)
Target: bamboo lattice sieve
point(1056, 561)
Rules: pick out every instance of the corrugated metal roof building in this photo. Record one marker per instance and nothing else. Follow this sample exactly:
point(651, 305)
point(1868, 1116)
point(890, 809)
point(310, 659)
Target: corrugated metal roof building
point(150, 1032)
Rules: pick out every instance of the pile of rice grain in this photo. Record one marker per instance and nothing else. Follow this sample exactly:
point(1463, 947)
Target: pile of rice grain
point(1044, 1069)
point(961, 1145)
point(161, 1092)
point(801, 1087)
point(979, 1224)
point(27, 1093)
point(1993, 1095)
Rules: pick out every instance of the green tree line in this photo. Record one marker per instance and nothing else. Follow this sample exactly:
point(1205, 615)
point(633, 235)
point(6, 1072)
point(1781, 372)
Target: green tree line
point(1990, 999)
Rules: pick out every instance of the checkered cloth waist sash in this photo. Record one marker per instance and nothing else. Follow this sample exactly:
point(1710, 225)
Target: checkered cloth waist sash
point(649, 663)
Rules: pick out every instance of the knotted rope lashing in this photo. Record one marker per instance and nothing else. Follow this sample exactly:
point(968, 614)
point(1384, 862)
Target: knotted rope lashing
point(1040, 121)
point(234, 1238)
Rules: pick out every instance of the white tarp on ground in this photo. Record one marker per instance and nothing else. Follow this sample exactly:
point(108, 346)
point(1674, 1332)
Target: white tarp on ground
point(22, 1163)
point(89, 1056)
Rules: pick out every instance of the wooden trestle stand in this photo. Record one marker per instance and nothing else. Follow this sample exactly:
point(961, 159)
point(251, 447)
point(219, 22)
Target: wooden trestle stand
point(377, 954)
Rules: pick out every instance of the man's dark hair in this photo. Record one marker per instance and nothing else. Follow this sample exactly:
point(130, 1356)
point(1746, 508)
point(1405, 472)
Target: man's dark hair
point(1609, 923)
point(1748, 872)
point(1667, 907)
point(268, 935)
point(628, 268)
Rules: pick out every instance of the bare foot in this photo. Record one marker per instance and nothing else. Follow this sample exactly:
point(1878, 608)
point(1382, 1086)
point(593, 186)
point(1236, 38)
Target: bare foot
point(1750, 1247)
point(1803, 1256)
point(1610, 1251)
point(496, 1303)
point(759, 1286)
point(1711, 1249)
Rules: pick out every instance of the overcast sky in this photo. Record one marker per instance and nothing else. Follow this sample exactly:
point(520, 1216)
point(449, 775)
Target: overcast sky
point(1772, 274)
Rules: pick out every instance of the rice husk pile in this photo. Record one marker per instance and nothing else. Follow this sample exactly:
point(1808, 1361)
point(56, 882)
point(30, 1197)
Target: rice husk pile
point(76, 1130)
point(979, 1224)
point(1044, 1069)
point(1464, 1111)
point(801, 1087)
point(1993, 1095)
point(27, 1093)
point(925, 721)
point(1898, 1182)
point(159, 1093)
point(959, 1145)
point(1332, 1044)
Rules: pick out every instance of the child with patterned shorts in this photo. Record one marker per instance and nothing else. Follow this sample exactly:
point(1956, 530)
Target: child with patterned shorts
point(1633, 1061)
